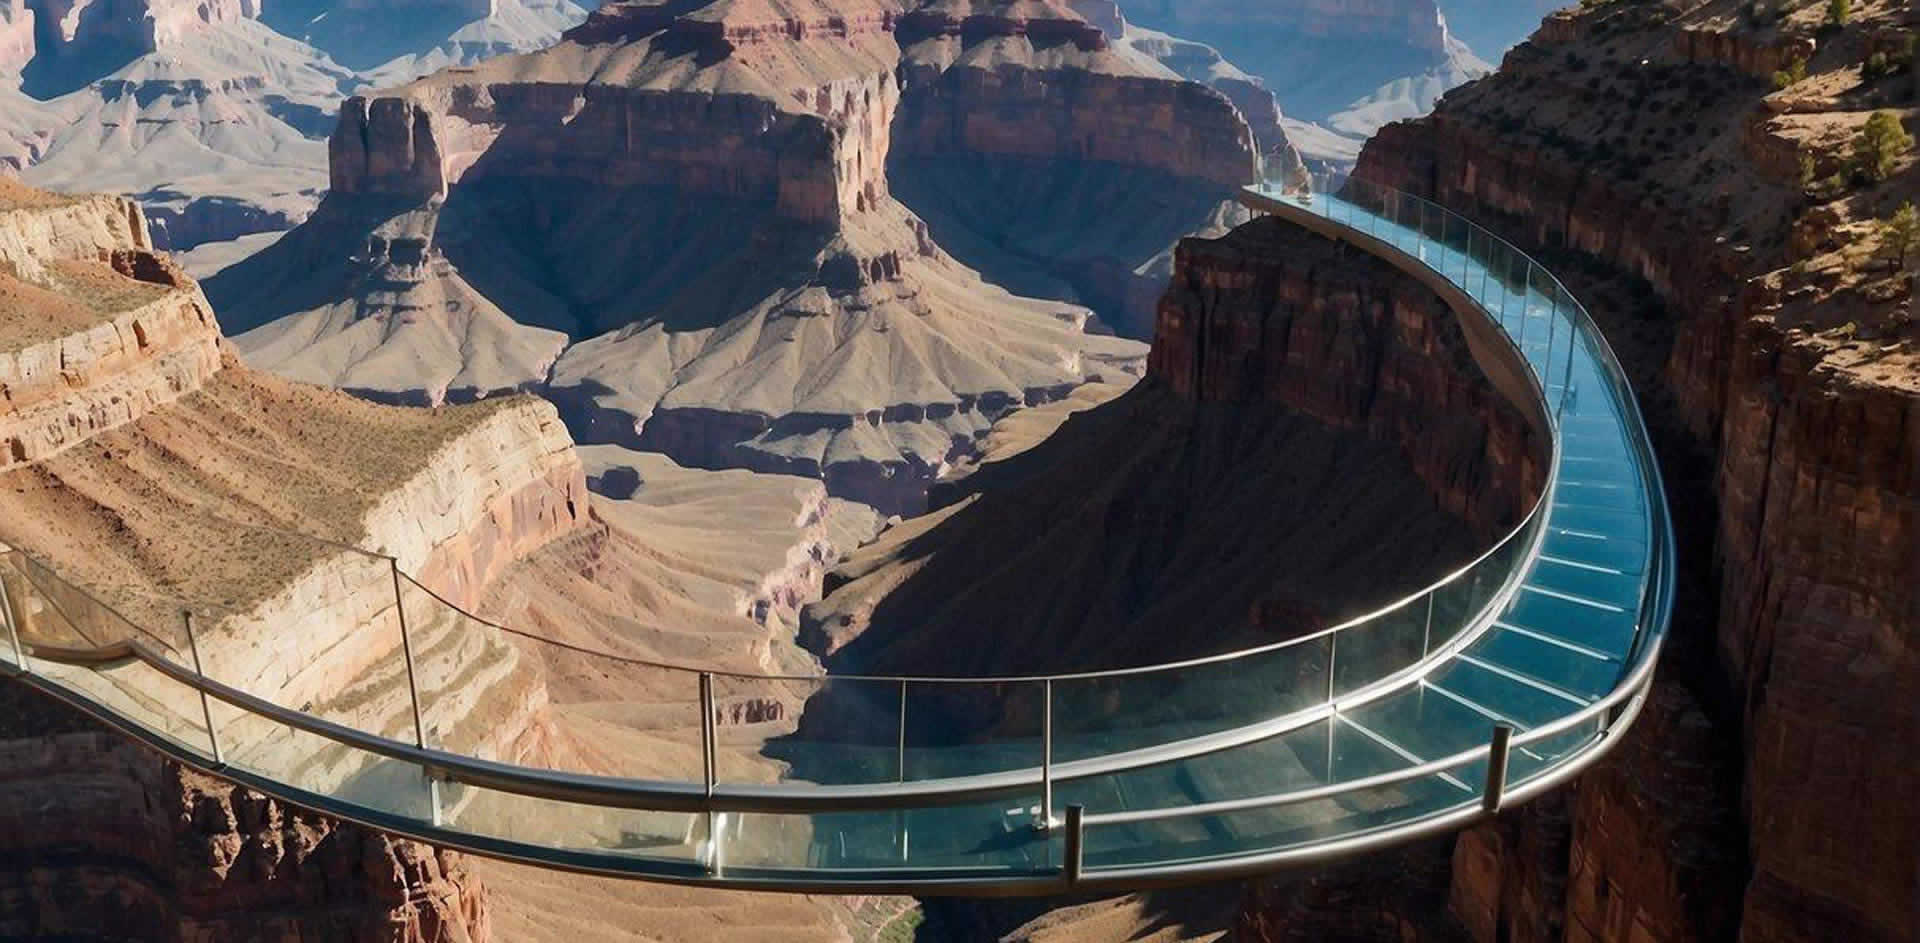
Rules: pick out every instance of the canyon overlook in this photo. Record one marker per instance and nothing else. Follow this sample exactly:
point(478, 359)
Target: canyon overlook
point(152, 468)
point(845, 305)
point(694, 226)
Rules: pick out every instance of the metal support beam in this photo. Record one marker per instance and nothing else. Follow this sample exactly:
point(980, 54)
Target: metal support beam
point(1497, 767)
point(206, 703)
point(13, 631)
point(406, 651)
point(1046, 756)
point(1075, 855)
point(708, 750)
point(900, 749)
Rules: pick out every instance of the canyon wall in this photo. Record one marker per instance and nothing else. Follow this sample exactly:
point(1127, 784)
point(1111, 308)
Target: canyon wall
point(1282, 364)
point(154, 469)
point(1265, 315)
point(83, 26)
point(1642, 146)
point(778, 309)
point(105, 842)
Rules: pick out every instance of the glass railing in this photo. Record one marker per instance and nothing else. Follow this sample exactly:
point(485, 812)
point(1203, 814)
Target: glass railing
point(356, 690)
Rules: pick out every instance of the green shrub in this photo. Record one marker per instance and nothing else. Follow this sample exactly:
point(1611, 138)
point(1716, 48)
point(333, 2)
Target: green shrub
point(1900, 234)
point(1839, 12)
point(1879, 146)
point(1793, 74)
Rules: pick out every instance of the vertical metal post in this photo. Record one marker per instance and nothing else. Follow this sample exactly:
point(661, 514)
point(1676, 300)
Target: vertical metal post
point(1075, 853)
point(1046, 755)
point(206, 707)
point(13, 631)
point(406, 651)
point(1503, 278)
point(1553, 332)
point(1333, 659)
point(413, 691)
point(1497, 768)
point(1426, 640)
point(1566, 379)
point(1333, 719)
point(707, 748)
point(715, 823)
point(900, 749)
point(1526, 312)
point(1486, 268)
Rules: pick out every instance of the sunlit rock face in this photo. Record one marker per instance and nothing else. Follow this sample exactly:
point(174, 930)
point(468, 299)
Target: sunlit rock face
point(144, 464)
point(1780, 379)
point(1282, 367)
point(824, 189)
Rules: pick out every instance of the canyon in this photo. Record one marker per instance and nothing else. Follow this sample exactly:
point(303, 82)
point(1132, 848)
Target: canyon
point(152, 472)
point(846, 281)
point(214, 115)
point(704, 233)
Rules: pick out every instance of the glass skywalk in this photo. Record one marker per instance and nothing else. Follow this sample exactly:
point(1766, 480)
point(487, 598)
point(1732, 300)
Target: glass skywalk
point(1498, 683)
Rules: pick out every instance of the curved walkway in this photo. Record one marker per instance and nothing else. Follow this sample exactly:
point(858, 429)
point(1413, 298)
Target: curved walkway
point(1497, 684)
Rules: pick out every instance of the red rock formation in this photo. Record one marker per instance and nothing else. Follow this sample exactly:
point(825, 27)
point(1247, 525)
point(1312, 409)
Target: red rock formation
point(1809, 431)
point(1266, 313)
point(1282, 362)
point(105, 840)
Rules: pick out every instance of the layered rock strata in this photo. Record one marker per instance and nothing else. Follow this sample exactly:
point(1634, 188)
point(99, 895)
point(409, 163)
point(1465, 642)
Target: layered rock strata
point(1281, 361)
point(194, 496)
point(105, 842)
point(1645, 143)
point(794, 316)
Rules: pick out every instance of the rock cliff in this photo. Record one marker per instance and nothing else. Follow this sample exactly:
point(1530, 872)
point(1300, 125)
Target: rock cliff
point(1281, 364)
point(779, 310)
point(147, 465)
point(1643, 147)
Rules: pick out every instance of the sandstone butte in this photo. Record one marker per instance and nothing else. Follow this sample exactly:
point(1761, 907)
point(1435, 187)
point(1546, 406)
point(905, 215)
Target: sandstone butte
point(815, 191)
point(215, 112)
point(147, 465)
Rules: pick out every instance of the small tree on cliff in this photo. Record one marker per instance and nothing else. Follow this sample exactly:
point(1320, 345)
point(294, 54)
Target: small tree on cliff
point(1793, 74)
point(1900, 234)
point(1839, 12)
point(1880, 144)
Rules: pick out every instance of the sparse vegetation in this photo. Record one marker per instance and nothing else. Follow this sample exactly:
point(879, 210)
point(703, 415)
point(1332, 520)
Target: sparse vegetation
point(1838, 13)
point(1793, 74)
point(1880, 144)
point(1882, 64)
point(1900, 234)
point(1808, 170)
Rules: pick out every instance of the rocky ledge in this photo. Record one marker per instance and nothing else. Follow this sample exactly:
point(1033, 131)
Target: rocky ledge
point(155, 471)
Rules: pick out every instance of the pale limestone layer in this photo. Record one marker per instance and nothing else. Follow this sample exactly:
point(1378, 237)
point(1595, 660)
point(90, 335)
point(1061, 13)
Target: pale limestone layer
point(37, 227)
point(63, 391)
